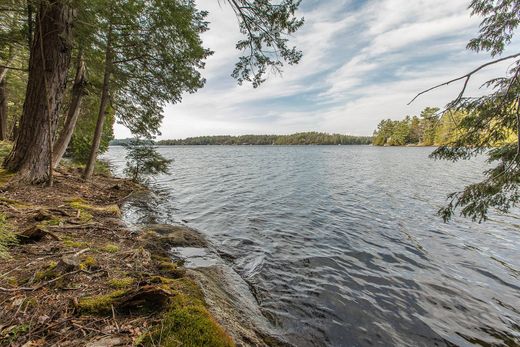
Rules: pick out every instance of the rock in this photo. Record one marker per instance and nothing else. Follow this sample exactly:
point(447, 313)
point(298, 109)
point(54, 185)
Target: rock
point(178, 235)
point(159, 239)
point(68, 263)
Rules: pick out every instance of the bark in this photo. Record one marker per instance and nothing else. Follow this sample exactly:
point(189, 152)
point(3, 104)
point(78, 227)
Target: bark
point(3, 109)
point(89, 169)
point(50, 57)
point(78, 91)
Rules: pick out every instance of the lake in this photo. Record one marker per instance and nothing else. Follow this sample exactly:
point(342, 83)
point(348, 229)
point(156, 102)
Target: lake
point(341, 245)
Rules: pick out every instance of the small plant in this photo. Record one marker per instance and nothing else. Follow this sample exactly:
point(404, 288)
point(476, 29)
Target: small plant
point(143, 160)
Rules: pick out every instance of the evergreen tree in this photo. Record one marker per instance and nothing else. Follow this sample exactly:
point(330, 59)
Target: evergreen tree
point(491, 125)
point(143, 160)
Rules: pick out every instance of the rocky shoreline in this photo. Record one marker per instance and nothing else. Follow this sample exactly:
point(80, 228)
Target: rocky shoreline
point(77, 275)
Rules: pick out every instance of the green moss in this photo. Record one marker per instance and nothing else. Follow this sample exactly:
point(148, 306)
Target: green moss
point(88, 263)
point(9, 337)
point(99, 304)
point(120, 283)
point(47, 273)
point(82, 205)
point(75, 244)
point(187, 325)
point(53, 221)
point(7, 236)
point(110, 248)
point(170, 268)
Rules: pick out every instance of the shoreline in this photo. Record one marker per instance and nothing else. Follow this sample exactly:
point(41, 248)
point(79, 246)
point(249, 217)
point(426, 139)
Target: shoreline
point(77, 275)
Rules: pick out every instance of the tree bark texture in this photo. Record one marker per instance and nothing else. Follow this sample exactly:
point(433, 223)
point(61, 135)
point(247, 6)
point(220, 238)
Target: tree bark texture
point(50, 57)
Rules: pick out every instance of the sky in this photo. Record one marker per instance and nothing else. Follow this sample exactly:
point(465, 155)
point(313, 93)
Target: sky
point(363, 61)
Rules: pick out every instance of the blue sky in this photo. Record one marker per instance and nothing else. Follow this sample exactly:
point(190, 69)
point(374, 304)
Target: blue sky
point(363, 61)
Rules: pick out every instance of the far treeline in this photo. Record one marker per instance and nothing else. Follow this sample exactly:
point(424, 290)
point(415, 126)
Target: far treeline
point(431, 128)
point(306, 138)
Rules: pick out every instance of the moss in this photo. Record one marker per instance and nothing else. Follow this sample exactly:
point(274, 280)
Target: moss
point(82, 205)
point(110, 248)
point(100, 303)
point(53, 221)
point(88, 263)
point(121, 283)
point(75, 244)
point(170, 268)
point(10, 336)
point(7, 236)
point(47, 273)
point(187, 325)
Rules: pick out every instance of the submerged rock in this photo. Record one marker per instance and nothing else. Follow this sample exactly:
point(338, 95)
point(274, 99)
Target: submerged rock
point(161, 238)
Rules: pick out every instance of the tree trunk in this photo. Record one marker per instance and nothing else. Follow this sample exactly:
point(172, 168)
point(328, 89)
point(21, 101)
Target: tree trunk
point(78, 90)
point(3, 109)
point(49, 61)
point(89, 169)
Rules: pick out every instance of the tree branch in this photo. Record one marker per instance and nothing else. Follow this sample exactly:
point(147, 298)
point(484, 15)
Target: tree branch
point(466, 78)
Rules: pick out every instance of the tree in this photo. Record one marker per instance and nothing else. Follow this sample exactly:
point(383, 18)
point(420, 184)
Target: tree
point(50, 57)
point(153, 53)
point(429, 119)
point(78, 92)
point(491, 125)
point(12, 42)
point(143, 160)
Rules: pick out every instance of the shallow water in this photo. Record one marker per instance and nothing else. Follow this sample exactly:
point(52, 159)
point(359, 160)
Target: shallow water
point(341, 245)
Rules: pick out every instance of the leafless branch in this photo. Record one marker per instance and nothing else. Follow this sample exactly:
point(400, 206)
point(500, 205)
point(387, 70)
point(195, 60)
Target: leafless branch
point(466, 78)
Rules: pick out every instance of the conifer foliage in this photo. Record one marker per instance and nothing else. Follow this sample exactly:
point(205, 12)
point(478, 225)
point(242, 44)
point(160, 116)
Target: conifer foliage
point(126, 60)
point(491, 125)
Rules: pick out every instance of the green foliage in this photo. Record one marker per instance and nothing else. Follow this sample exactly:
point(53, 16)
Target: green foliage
point(143, 160)
point(308, 138)
point(267, 26)
point(491, 123)
point(428, 130)
point(79, 147)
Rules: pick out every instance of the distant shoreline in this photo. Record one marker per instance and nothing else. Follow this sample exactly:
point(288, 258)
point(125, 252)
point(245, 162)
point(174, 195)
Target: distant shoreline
point(305, 138)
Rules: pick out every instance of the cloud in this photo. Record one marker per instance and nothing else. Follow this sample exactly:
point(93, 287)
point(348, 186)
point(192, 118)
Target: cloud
point(363, 61)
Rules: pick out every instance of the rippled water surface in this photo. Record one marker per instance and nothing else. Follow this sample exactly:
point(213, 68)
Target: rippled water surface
point(341, 245)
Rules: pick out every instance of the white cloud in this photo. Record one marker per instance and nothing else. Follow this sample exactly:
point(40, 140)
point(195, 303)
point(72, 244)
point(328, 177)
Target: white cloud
point(362, 62)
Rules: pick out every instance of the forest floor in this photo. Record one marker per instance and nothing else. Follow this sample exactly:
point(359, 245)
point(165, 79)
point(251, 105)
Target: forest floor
point(72, 273)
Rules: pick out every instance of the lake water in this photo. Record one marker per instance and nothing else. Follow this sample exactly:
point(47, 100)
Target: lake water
point(341, 245)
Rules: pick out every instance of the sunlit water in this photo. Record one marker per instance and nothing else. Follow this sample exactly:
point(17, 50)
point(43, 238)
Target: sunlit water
point(341, 244)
